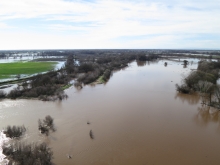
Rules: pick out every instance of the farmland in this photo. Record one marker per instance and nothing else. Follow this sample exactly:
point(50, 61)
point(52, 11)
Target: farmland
point(10, 70)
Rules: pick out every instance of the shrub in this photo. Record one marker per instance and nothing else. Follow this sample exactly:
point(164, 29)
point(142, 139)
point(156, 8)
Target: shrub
point(46, 125)
point(14, 131)
point(15, 93)
point(86, 67)
point(43, 98)
point(25, 85)
point(27, 154)
point(2, 94)
point(30, 93)
point(204, 86)
point(106, 75)
point(183, 88)
point(90, 77)
point(70, 64)
point(61, 95)
point(78, 84)
point(194, 77)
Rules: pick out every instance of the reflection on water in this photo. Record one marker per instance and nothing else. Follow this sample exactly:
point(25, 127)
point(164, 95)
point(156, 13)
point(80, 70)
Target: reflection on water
point(207, 115)
point(184, 66)
point(9, 87)
point(10, 103)
point(137, 118)
point(190, 99)
point(141, 63)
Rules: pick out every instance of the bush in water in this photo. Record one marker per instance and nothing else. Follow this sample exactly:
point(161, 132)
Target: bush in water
point(25, 154)
point(14, 131)
point(46, 125)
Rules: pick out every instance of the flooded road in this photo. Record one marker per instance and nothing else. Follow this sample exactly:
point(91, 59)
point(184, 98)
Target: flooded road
point(136, 118)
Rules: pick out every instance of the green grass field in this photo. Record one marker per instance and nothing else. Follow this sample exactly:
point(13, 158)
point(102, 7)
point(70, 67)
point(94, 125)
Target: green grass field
point(8, 70)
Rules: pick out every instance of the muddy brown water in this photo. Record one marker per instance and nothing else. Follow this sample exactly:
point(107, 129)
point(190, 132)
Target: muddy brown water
point(137, 118)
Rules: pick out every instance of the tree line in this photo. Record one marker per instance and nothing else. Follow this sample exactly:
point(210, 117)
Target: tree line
point(84, 68)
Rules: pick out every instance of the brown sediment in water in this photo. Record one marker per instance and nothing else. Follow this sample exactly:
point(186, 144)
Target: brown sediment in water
point(137, 116)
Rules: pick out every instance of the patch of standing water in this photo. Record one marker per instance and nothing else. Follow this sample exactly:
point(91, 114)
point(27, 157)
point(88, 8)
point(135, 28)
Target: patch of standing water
point(3, 139)
point(59, 65)
point(8, 88)
point(11, 59)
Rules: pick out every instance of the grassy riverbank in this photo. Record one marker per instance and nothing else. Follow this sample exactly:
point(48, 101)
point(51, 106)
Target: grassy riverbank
point(8, 70)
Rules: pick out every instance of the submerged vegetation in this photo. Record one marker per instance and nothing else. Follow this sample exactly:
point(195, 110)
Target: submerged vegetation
point(21, 153)
point(24, 154)
point(46, 125)
point(203, 81)
point(2, 94)
point(14, 131)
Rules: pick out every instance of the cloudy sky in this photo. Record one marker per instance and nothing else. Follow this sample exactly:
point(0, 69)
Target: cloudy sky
point(104, 24)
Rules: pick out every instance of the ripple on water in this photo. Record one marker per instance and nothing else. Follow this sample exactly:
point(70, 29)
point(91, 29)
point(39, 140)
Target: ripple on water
point(11, 103)
point(2, 116)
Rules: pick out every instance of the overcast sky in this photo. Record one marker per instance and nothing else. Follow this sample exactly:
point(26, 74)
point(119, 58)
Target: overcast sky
point(104, 24)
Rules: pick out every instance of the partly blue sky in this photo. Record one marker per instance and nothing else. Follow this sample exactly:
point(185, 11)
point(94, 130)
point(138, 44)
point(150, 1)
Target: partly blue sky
point(106, 24)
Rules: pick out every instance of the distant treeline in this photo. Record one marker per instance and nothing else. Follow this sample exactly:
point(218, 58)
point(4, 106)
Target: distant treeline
point(95, 52)
point(85, 67)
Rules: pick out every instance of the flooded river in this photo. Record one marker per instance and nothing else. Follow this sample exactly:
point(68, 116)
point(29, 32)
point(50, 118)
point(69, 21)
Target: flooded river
point(137, 119)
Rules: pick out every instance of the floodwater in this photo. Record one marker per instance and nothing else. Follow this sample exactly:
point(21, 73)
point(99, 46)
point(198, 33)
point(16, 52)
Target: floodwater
point(137, 118)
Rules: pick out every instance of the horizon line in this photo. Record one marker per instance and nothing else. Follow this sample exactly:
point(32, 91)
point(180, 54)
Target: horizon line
point(196, 49)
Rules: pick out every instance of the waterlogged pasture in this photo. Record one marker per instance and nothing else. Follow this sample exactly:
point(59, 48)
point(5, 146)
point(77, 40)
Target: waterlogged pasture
point(11, 70)
point(137, 117)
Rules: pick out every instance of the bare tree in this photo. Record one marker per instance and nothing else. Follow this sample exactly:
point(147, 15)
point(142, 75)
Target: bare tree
point(46, 125)
point(205, 90)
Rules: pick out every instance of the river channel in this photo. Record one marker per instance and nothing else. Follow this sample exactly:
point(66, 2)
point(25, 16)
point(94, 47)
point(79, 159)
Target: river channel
point(137, 118)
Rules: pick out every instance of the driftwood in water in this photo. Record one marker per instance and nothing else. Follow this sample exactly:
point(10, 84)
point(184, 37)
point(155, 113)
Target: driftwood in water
point(91, 134)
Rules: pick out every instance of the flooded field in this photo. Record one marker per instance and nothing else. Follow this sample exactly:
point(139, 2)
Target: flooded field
point(136, 118)
point(24, 58)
